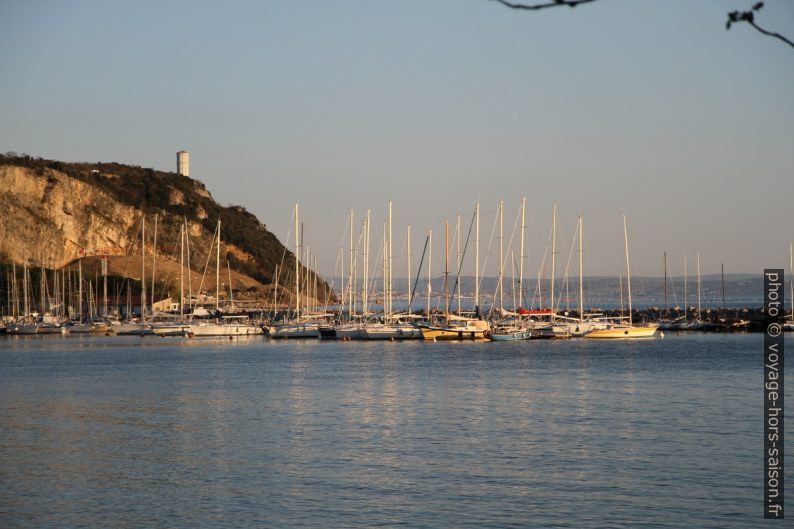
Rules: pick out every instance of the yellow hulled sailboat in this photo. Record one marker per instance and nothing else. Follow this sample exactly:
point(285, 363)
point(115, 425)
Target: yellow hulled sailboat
point(454, 327)
point(457, 328)
point(625, 330)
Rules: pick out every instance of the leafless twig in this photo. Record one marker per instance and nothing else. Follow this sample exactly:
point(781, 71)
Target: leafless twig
point(550, 3)
point(749, 17)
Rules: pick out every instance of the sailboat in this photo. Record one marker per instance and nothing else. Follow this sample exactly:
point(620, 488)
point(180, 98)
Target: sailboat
point(140, 328)
point(665, 322)
point(454, 327)
point(625, 330)
point(229, 325)
point(297, 328)
point(582, 325)
point(511, 329)
point(393, 327)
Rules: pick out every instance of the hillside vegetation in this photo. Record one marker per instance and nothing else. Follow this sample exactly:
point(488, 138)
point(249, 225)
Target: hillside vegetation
point(248, 246)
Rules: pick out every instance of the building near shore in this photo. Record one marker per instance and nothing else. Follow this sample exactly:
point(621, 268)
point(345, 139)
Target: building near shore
point(183, 163)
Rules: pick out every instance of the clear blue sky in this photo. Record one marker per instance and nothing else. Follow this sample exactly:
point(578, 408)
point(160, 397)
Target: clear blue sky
point(647, 107)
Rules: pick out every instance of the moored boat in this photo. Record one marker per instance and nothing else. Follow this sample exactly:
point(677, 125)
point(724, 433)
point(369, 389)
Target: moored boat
point(511, 333)
point(457, 329)
point(624, 331)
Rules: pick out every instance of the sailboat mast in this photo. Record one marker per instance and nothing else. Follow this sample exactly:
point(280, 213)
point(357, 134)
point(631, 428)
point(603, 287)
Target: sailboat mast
point(314, 275)
point(391, 262)
point(297, 267)
point(366, 268)
point(513, 278)
point(477, 260)
point(553, 256)
point(410, 291)
point(581, 287)
point(25, 279)
point(143, 269)
point(231, 294)
point(154, 259)
point(686, 307)
point(14, 294)
point(79, 290)
point(218, 270)
point(182, 271)
point(791, 281)
point(722, 274)
point(501, 256)
point(628, 267)
point(666, 312)
point(350, 270)
point(699, 286)
point(385, 275)
point(42, 287)
point(458, 240)
point(521, 261)
point(187, 255)
point(429, 272)
point(275, 290)
point(446, 271)
point(105, 285)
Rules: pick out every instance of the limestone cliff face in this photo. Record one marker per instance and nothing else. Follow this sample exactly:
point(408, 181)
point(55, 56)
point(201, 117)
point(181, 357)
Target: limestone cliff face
point(48, 218)
point(53, 212)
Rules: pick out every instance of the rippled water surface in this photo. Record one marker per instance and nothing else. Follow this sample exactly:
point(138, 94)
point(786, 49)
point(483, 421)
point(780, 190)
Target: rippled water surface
point(154, 432)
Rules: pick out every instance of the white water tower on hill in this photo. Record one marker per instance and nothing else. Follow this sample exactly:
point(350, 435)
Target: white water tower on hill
point(183, 163)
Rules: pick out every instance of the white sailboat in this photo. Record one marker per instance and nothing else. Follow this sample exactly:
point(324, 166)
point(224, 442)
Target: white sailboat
point(393, 327)
point(297, 328)
point(237, 325)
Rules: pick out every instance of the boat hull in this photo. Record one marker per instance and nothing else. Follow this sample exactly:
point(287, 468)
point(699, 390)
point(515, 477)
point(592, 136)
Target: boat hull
point(623, 332)
point(511, 336)
point(438, 333)
point(225, 330)
point(295, 331)
point(392, 332)
point(132, 329)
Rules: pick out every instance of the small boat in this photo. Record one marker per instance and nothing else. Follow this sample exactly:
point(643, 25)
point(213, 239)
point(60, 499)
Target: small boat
point(457, 329)
point(454, 327)
point(349, 331)
point(296, 330)
point(624, 331)
point(510, 333)
point(172, 329)
point(228, 326)
point(392, 331)
point(37, 328)
point(132, 329)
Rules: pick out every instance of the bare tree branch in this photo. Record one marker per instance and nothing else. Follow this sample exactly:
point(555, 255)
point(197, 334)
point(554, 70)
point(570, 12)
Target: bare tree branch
point(749, 17)
point(550, 3)
point(733, 17)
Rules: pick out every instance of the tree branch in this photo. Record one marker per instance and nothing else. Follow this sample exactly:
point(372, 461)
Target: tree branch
point(771, 34)
point(550, 3)
point(749, 17)
point(733, 17)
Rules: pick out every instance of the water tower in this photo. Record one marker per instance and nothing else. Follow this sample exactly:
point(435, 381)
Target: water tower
point(183, 163)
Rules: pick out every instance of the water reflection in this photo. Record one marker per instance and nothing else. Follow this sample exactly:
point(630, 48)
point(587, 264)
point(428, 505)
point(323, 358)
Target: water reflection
point(229, 433)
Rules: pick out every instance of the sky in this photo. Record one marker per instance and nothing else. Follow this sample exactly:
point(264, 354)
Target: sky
point(648, 108)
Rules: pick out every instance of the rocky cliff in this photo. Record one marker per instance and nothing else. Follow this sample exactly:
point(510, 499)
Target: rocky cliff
point(53, 212)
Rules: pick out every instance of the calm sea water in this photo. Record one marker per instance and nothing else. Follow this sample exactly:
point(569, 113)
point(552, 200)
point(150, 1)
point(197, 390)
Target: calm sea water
point(154, 432)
